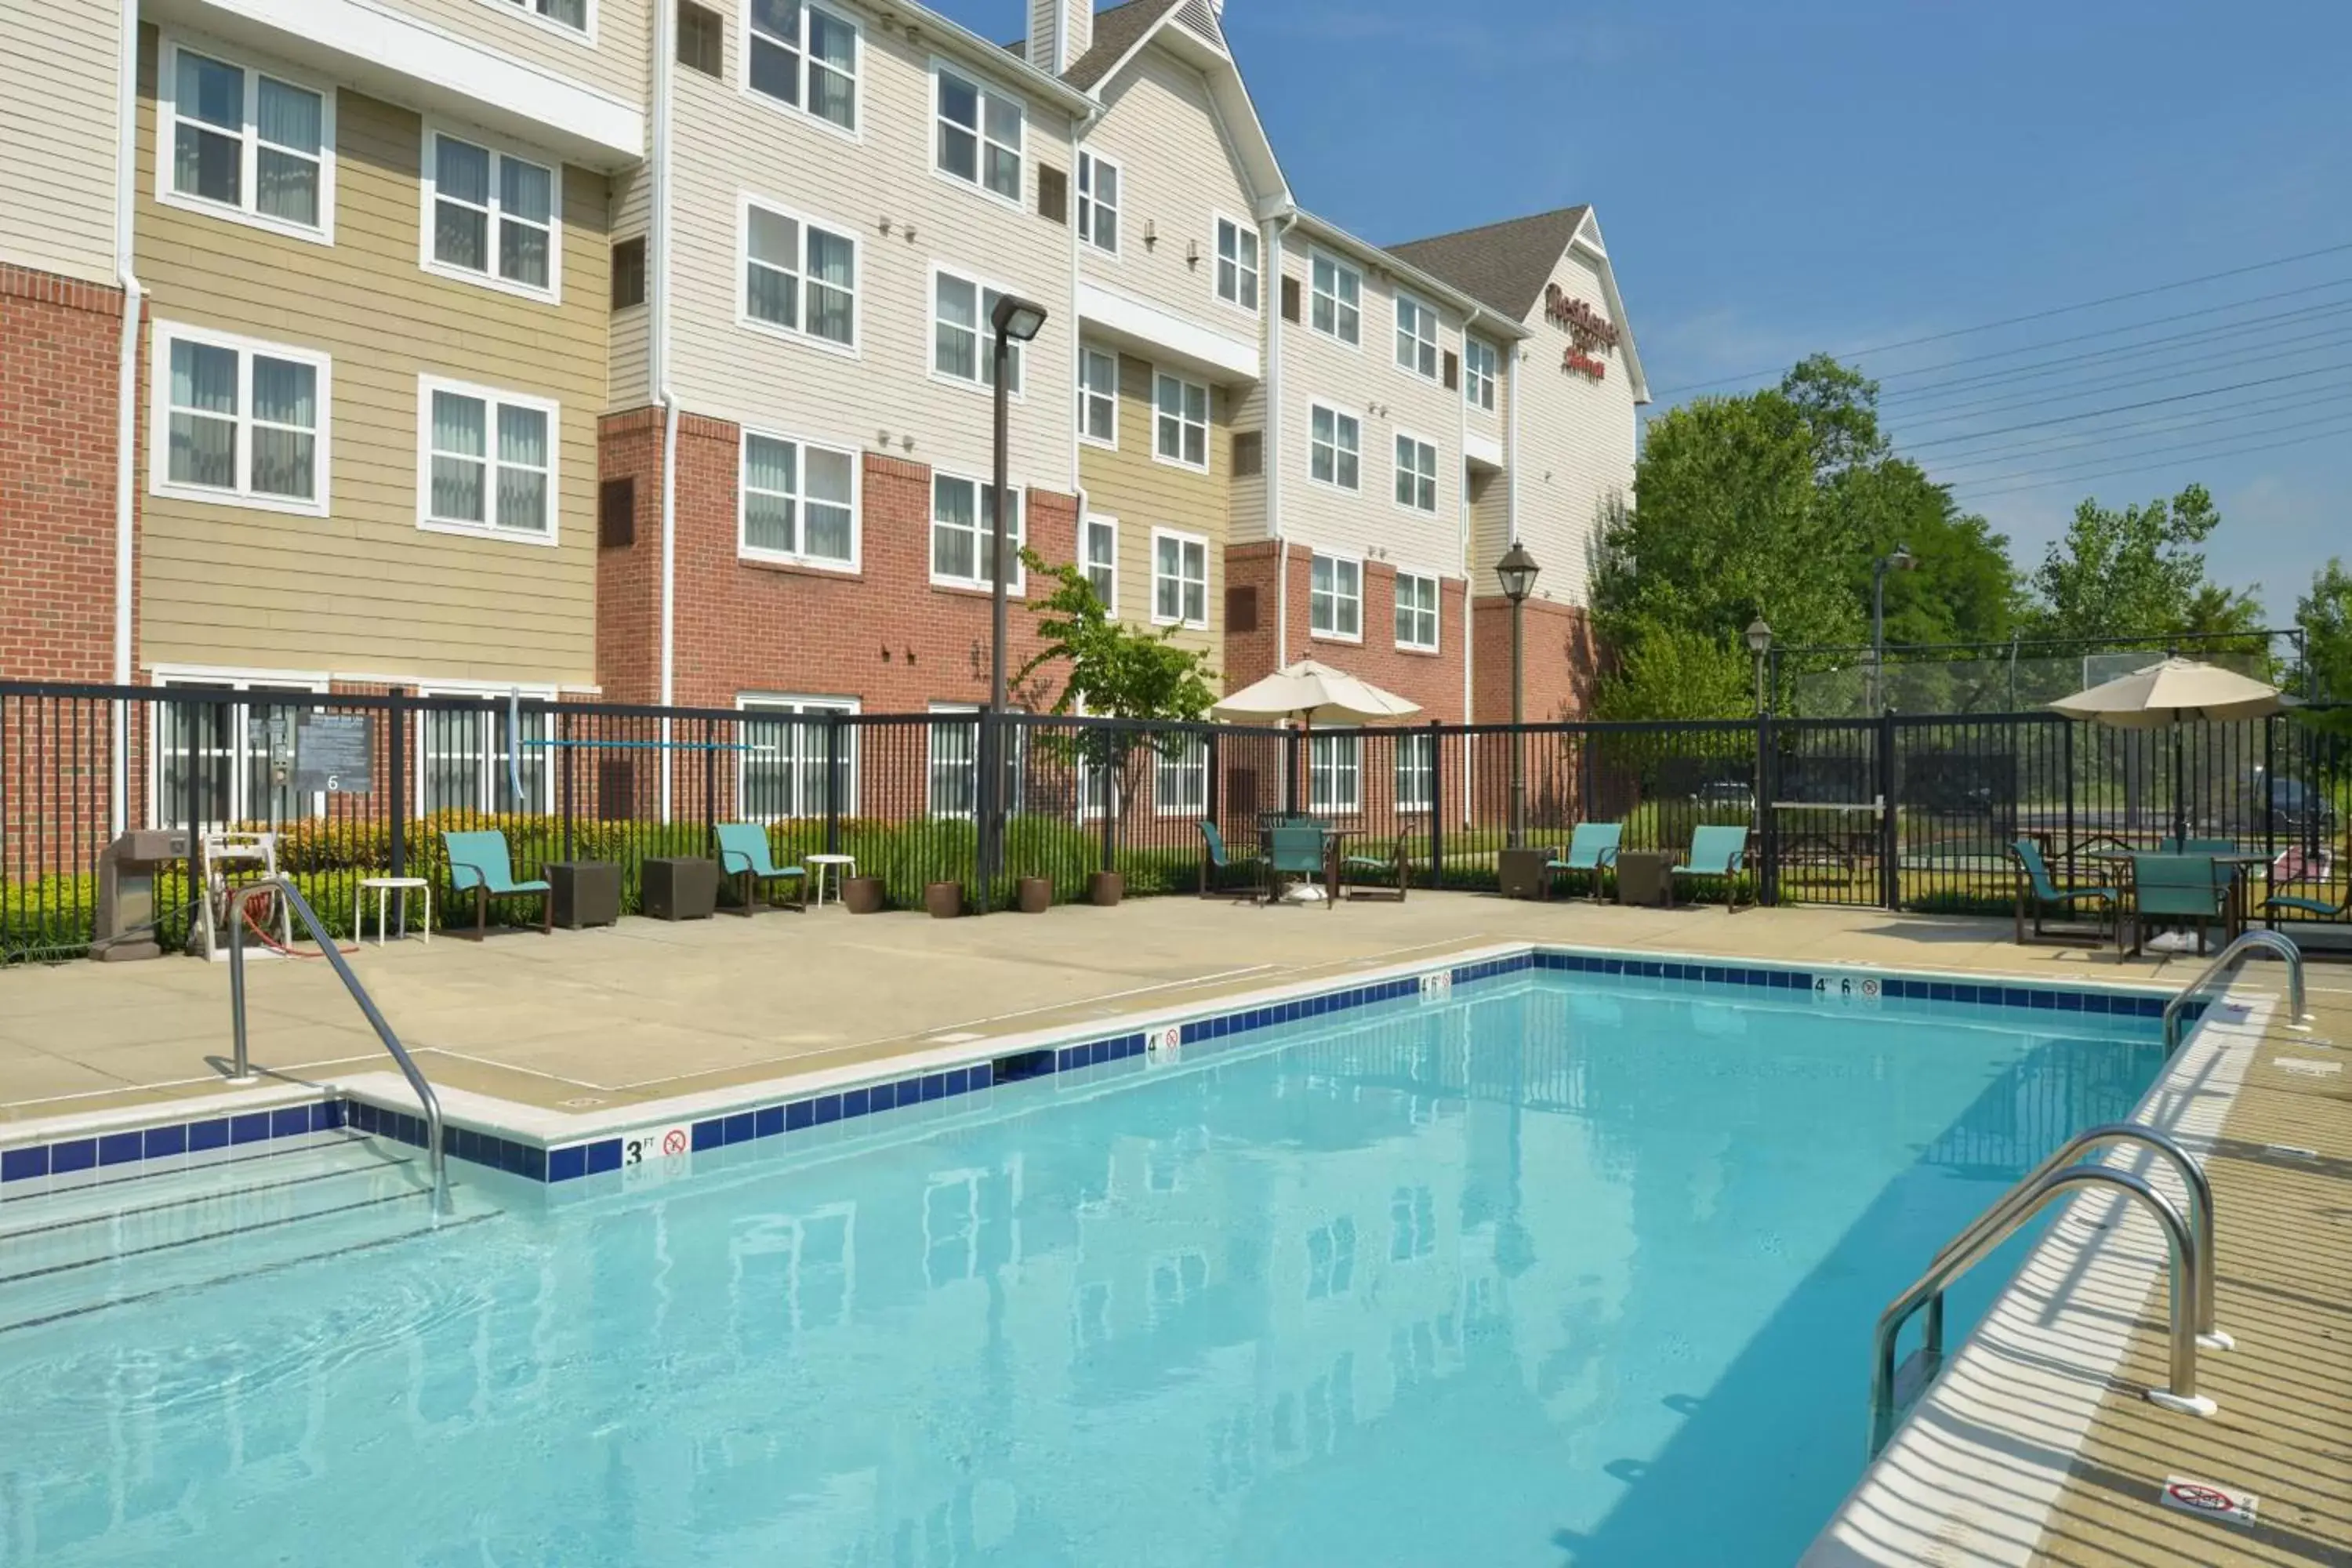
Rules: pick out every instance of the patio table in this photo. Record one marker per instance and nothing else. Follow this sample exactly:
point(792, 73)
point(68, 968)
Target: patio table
point(2241, 864)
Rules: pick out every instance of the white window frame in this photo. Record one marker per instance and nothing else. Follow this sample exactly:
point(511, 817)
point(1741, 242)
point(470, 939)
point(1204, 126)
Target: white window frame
point(1416, 759)
point(530, 11)
point(1316, 254)
point(159, 422)
point(264, 685)
point(792, 711)
point(1087, 394)
point(1482, 364)
point(1314, 406)
point(978, 182)
point(1089, 203)
point(167, 88)
point(1354, 564)
point(1183, 579)
point(1184, 423)
point(746, 551)
point(983, 359)
point(1189, 769)
point(1346, 750)
point(856, 130)
point(1016, 587)
point(1255, 272)
point(493, 398)
point(1436, 612)
point(1093, 520)
point(745, 202)
point(428, 178)
point(1398, 469)
point(1429, 345)
point(1015, 762)
point(491, 771)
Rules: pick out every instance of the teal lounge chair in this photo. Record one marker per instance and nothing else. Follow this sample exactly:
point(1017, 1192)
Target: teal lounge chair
point(479, 862)
point(2175, 889)
point(2038, 892)
point(1376, 876)
point(2313, 907)
point(1293, 851)
point(1217, 867)
point(743, 852)
point(1713, 852)
point(1591, 849)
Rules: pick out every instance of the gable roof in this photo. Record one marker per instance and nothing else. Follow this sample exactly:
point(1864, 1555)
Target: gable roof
point(1116, 32)
point(1505, 264)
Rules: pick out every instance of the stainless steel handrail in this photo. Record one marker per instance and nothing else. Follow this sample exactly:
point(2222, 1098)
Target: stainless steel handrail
point(2021, 1203)
point(2237, 952)
point(246, 892)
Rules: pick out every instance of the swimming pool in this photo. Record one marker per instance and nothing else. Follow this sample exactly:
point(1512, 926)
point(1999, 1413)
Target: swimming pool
point(1547, 1268)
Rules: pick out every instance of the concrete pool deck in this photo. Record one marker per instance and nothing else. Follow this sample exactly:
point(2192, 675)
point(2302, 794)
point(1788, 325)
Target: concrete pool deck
point(594, 1021)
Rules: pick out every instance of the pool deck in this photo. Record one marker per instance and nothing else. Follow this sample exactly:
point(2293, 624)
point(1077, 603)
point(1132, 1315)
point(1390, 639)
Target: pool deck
point(588, 1023)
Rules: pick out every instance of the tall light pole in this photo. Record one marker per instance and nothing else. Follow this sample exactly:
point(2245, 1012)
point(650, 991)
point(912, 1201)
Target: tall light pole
point(1015, 321)
point(1759, 643)
point(1517, 570)
point(1899, 560)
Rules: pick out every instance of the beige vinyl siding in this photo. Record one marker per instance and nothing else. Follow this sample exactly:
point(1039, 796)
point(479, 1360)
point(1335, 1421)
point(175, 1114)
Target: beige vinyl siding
point(57, 135)
point(1576, 441)
point(1177, 172)
point(1245, 498)
point(614, 63)
point(1367, 382)
point(364, 589)
point(748, 144)
point(1144, 494)
point(631, 382)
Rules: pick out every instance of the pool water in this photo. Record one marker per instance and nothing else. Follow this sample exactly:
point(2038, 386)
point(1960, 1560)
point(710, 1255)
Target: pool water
point(1564, 1270)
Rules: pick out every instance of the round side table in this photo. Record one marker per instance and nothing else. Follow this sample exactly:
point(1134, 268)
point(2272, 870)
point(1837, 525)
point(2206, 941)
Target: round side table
point(839, 864)
point(383, 888)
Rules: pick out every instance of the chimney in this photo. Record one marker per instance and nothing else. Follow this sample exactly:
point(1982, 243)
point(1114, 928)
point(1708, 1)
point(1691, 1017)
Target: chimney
point(1059, 32)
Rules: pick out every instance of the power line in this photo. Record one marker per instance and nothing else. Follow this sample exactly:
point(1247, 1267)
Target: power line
point(2171, 450)
point(2033, 315)
point(2164, 423)
point(2142, 468)
point(2129, 407)
point(2136, 376)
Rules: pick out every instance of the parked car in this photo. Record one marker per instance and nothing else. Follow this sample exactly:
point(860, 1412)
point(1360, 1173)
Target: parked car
point(2290, 808)
point(1728, 795)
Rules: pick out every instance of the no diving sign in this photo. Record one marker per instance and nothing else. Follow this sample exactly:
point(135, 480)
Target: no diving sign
point(2208, 1500)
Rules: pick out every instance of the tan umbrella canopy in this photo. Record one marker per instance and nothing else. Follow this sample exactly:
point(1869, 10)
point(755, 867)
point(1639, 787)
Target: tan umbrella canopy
point(2168, 694)
point(1313, 693)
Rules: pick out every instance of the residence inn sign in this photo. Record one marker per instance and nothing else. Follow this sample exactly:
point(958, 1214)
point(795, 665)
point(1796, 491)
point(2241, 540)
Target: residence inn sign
point(1588, 331)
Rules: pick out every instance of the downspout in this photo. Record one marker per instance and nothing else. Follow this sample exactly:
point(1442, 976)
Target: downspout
point(1462, 527)
point(1270, 233)
point(126, 411)
point(664, 53)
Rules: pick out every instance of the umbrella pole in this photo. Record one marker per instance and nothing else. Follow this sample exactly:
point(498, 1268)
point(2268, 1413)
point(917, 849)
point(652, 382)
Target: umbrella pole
point(2180, 803)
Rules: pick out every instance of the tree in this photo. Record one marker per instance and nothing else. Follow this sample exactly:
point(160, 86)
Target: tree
point(2135, 572)
point(2326, 616)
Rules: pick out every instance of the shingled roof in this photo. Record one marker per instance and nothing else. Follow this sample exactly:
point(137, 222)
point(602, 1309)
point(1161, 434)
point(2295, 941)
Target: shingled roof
point(1117, 31)
point(1505, 265)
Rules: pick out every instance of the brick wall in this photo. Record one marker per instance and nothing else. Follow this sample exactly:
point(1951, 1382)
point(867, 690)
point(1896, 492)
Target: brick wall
point(628, 578)
point(1561, 656)
point(1432, 679)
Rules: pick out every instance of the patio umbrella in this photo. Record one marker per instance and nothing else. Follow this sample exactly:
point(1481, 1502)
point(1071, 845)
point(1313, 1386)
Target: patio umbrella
point(2165, 696)
point(1309, 690)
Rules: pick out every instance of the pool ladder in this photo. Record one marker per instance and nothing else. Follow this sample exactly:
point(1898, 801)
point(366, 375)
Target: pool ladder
point(2189, 1245)
point(2232, 956)
point(247, 892)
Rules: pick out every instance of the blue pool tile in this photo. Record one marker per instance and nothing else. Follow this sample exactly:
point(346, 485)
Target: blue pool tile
point(984, 1075)
point(1071, 1058)
point(119, 1147)
point(737, 1126)
point(2092, 1002)
point(935, 1086)
point(1940, 991)
point(203, 1135)
point(959, 1080)
point(910, 1091)
point(23, 1164)
point(363, 1116)
point(290, 1121)
point(1966, 994)
point(605, 1156)
point(567, 1164)
point(2071, 1001)
point(514, 1158)
point(768, 1121)
point(248, 1128)
point(165, 1140)
point(534, 1164)
point(75, 1155)
point(800, 1113)
point(828, 1109)
point(881, 1097)
point(712, 1135)
point(329, 1114)
point(465, 1144)
point(1097, 1053)
point(2044, 1001)
point(855, 1102)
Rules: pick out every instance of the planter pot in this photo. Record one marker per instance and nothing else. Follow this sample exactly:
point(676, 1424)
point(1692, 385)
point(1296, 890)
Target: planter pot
point(862, 895)
point(944, 899)
point(1105, 888)
point(1035, 895)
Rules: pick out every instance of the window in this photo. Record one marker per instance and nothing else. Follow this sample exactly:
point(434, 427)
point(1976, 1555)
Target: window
point(701, 38)
point(1182, 422)
point(963, 526)
point(955, 761)
point(1416, 772)
point(1102, 559)
point(488, 460)
point(1480, 370)
point(1335, 775)
point(1331, 448)
point(800, 503)
point(1335, 597)
point(980, 135)
point(799, 277)
point(1179, 784)
point(467, 759)
point(781, 773)
point(963, 345)
point(1416, 611)
point(1237, 273)
point(572, 14)
point(1416, 336)
point(1099, 202)
point(1416, 474)
point(231, 761)
point(1098, 397)
point(490, 216)
point(248, 145)
point(1338, 301)
point(240, 421)
point(1179, 579)
point(804, 55)
point(1413, 1223)
point(628, 273)
point(1330, 1259)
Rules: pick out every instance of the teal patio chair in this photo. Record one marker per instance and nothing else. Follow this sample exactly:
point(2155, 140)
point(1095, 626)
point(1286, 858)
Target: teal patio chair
point(2038, 892)
point(1293, 851)
point(479, 863)
point(743, 852)
point(1217, 867)
point(1713, 852)
point(1377, 875)
point(1591, 849)
point(2176, 889)
point(2318, 908)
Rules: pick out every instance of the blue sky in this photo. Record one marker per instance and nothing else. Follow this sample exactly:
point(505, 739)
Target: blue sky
point(1804, 174)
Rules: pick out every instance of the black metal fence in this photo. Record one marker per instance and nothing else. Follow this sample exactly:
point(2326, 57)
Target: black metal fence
point(1899, 812)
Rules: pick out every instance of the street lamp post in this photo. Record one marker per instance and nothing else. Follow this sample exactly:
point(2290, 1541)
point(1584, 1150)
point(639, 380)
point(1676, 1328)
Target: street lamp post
point(1899, 560)
point(1759, 643)
point(1517, 570)
point(1015, 321)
